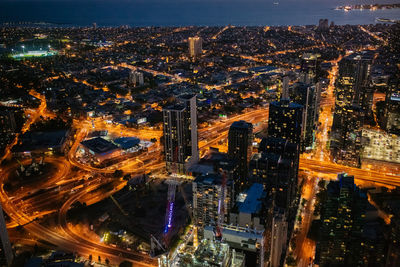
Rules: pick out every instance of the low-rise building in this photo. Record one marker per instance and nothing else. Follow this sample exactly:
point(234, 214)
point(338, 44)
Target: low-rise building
point(379, 145)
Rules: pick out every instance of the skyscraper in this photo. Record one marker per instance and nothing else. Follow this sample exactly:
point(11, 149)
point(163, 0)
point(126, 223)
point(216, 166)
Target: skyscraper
point(344, 237)
point(207, 193)
point(6, 255)
point(240, 142)
point(195, 46)
point(309, 68)
point(285, 121)
point(180, 134)
point(353, 82)
point(345, 137)
point(309, 97)
point(277, 167)
point(392, 108)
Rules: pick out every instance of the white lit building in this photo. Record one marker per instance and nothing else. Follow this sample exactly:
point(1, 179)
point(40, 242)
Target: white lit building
point(195, 46)
point(379, 145)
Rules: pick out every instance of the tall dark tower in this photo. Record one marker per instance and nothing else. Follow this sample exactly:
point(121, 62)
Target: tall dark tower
point(180, 134)
point(309, 97)
point(309, 68)
point(285, 121)
point(240, 140)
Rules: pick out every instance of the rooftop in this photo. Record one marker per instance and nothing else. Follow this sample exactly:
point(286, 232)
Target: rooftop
point(99, 145)
point(40, 140)
point(251, 201)
point(127, 142)
point(242, 125)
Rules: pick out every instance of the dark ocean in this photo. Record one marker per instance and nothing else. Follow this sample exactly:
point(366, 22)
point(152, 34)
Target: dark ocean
point(188, 12)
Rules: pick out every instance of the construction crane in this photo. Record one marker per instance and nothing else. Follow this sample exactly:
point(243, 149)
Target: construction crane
point(170, 198)
point(170, 205)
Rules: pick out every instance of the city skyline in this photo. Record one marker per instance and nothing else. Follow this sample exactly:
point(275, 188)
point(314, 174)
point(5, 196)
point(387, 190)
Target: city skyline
point(193, 146)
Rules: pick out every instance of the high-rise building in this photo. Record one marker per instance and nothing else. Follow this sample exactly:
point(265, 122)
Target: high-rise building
point(136, 78)
point(285, 121)
point(353, 86)
point(6, 254)
point(277, 166)
point(392, 108)
point(240, 141)
point(345, 137)
point(309, 97)
point(207, 199)
point(323, 25)
point(195, 46)
point(346, 236)
point(180, 134)
point(309, 68)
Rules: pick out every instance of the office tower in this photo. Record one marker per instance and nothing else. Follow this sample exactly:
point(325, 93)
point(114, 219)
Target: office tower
point(195, 46)
point(347, 237)
point(392, 108)
point(353, 82)
point(207, 192)
point(309, 68)
point(285, 121)
point(323, 25)
point(309, 97)
point(180, 134)
point(345, 137)
point(136, 78)
point(276, 165)
point(6, 255)
point(240, 141)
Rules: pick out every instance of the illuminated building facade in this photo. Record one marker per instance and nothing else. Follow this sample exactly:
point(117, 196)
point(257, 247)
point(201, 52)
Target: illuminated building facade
point(195, 46)
point(309, 97)
point(136, 78)
point(392, 108)
point(208, 253)
point(240, 142)
point(207, 190)
point(285, 121)
point(345, 139)
point(353, 86)
point(309, 67)
point(180, 134)
point(346, 236)
point(378, 145)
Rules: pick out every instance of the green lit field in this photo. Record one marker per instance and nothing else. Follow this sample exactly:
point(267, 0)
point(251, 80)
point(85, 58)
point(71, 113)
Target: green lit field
point(37, 53)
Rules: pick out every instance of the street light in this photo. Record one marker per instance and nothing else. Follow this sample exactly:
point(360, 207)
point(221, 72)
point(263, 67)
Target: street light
point(23, 48)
